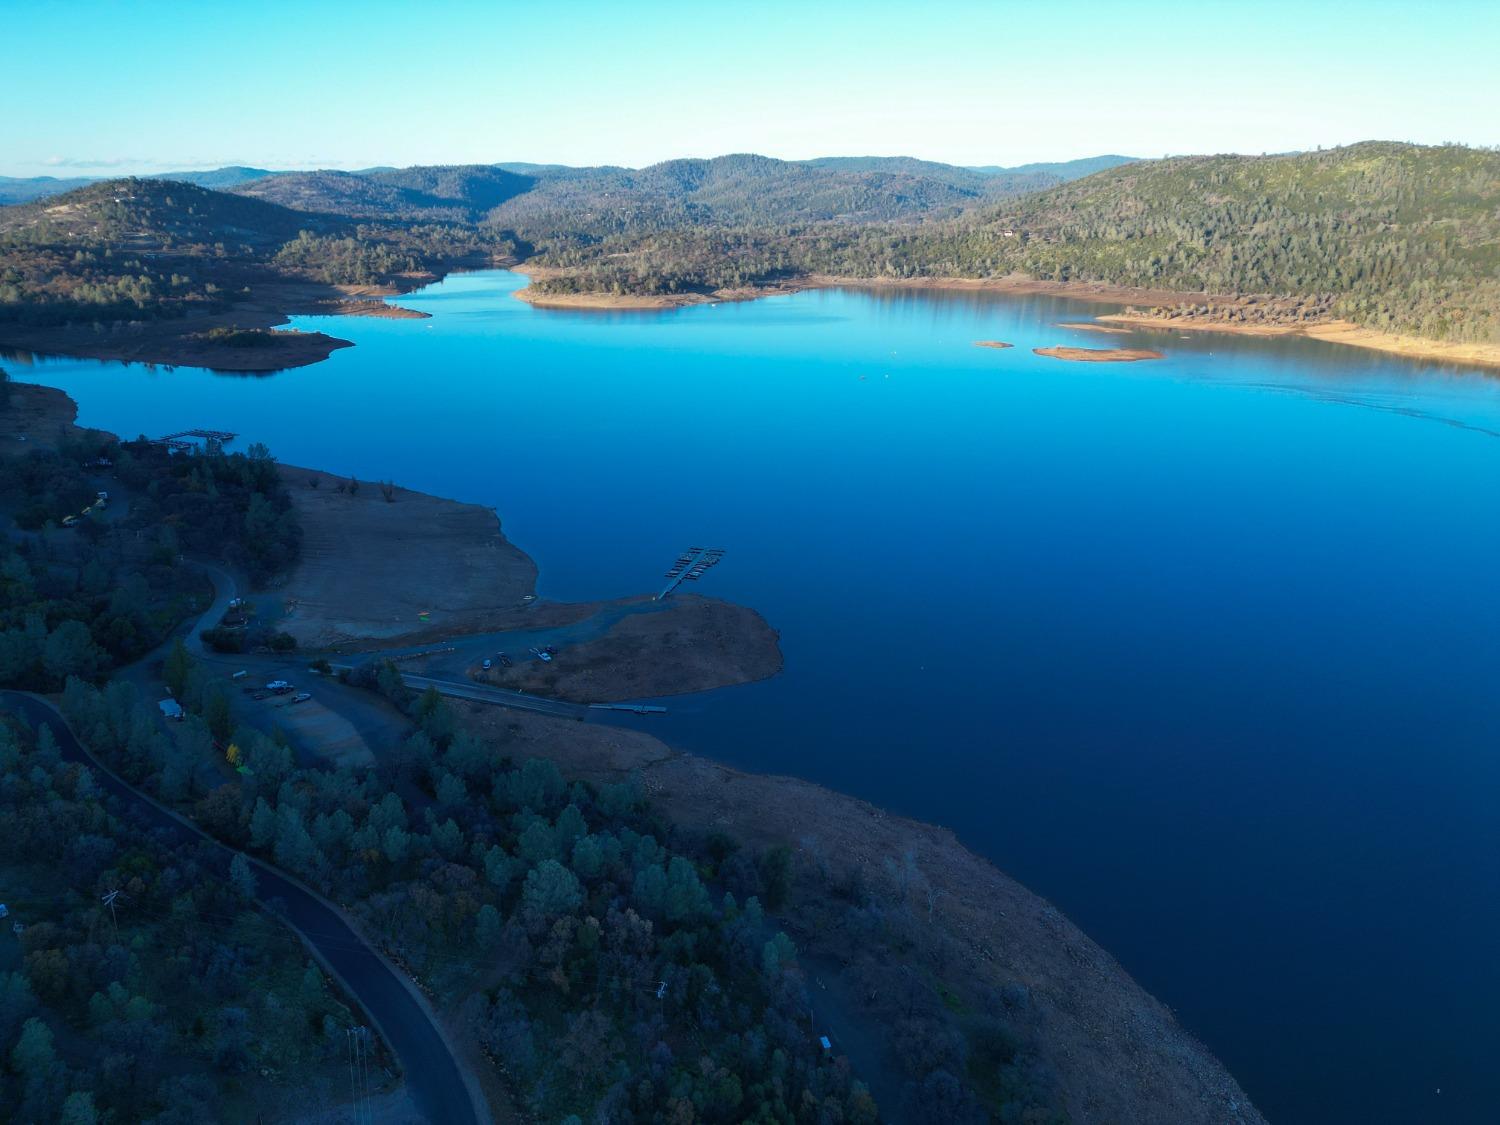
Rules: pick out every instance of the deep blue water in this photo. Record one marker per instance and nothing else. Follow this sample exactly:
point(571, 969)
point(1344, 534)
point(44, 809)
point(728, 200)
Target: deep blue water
point(1204, 650)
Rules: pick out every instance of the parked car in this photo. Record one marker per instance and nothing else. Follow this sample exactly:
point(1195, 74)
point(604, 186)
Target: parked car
point(280, 687)
point(302, 697)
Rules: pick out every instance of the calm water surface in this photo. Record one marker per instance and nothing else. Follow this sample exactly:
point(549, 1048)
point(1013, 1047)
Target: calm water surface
point(1204, 650)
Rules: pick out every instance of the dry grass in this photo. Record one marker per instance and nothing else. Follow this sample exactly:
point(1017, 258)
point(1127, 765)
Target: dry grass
point(371, 567)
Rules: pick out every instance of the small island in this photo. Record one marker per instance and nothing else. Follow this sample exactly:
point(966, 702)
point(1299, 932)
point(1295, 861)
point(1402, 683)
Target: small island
point(1098, 355)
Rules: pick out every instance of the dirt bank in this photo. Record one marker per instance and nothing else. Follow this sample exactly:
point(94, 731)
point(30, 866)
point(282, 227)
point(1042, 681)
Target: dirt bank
point(992, 344)
point(369, 306)
point(1078, 327)
point(37, 418)
point(372, 566)
point(542, 300)
point(1115, 1054)
point(1331, 331)
point(1078, 290)
point(694, 644)
point(1098, 355)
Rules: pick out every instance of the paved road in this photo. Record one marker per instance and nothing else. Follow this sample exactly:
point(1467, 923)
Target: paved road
point(482, 693)
point(437, 1083)
point(450, 661)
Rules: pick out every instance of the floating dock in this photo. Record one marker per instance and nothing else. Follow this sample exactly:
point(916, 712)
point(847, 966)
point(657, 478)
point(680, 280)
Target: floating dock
point(186, 440)
point(634, 708)
point(690, 566)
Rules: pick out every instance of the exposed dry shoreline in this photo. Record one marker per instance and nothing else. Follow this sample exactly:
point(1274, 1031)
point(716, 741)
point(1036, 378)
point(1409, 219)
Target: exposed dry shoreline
point(1331, 331)
point(1113, 1053)
point(1097, 355)
point(997, 344)
point(1079, 326)
point(690, 644)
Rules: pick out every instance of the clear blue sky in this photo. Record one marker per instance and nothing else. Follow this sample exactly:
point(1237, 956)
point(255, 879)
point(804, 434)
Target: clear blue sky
point(93, 87)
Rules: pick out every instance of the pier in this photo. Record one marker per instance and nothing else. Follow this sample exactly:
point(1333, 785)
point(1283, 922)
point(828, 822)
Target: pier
point(690, 566)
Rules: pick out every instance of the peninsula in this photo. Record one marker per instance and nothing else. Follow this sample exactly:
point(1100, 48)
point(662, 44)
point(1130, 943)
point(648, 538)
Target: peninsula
point(1050, 1021)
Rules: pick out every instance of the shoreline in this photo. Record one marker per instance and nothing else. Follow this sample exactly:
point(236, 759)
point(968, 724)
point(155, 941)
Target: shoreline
point(1330, 332)
point(182, 341)
point(1097, 355)
point(1114, 1050)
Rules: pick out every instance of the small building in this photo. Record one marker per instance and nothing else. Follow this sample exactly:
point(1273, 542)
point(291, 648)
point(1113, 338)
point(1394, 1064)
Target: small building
point(171, 709)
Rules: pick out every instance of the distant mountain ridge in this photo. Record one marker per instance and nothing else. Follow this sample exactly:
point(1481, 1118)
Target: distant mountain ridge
point(441, 193)
point(933, 185)
point(156, 214)
point(1066, 170)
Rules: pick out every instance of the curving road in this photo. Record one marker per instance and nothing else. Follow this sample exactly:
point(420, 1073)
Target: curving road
point(442, 1090)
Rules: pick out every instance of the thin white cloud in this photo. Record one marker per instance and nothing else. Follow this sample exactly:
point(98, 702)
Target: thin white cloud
point(111, 162)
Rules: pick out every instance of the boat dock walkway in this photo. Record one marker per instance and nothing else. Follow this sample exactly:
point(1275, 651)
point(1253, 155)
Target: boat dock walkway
point(690, 566)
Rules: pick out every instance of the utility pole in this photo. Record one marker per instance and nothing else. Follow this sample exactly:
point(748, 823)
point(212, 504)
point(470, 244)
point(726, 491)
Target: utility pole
point(109, 901)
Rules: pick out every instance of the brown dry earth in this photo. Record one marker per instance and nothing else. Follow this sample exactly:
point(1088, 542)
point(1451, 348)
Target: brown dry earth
point(1116, 1054)
point(695, 644)
point(1084, 327)
point(1331, 331)
point(992, 344)
point(1098, 355)
point(37, 418)
point(371, 566)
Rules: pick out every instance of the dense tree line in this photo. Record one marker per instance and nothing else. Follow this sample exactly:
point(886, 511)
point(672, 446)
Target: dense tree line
point(113, 591)
point(184, 1005)
point(610, 974)
point(370, 256)
point(230, 507)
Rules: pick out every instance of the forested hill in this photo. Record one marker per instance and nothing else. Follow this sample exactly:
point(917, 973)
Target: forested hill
point(442, 193)
point(541, 201)
point(138, 250)
point(1393, 236)
point(154, 214)
point(747, 189)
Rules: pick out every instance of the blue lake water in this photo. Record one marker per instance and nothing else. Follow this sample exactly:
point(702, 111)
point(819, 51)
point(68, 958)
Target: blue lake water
point(1205, 650)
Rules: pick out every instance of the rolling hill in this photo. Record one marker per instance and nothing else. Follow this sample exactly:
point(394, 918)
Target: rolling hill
point(435, 194)
point(154, 214)
point(1393, 237)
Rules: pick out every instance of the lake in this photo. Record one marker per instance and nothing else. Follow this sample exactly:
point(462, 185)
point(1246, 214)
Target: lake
point(1205, 650)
